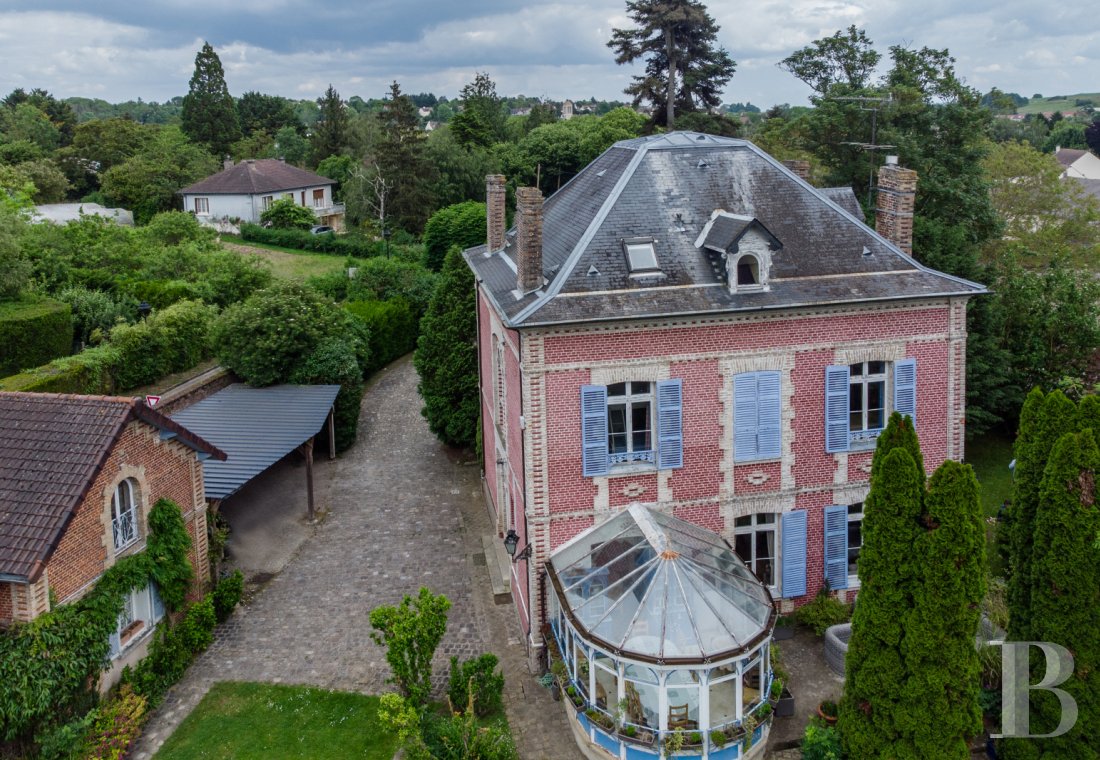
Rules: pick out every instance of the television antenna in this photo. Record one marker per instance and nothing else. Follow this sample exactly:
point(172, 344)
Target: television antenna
point(873, 145)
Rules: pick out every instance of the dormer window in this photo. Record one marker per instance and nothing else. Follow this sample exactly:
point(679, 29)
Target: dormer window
point(641, 256)
point(743, 247)
point(748, 271)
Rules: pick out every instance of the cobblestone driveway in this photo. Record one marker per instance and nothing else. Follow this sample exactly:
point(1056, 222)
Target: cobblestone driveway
point(403, 515)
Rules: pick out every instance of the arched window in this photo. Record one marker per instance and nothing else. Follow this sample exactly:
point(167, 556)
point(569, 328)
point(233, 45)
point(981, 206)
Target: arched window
point(124, 522)
point(748, 271)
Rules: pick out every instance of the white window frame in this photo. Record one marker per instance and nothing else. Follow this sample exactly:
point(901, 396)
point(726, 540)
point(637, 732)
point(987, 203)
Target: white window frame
point(319, 201)
point(752, 528)
point(266, 201)
point(124, 514)
point(854, 517)
point(863, 381)
point(202, 207)
point(137, 605)
point(641, 255)
point(629, 400)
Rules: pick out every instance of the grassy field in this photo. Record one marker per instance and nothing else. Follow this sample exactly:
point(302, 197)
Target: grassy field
point(253, 721)
point(1068, 103)
point(989, 456)
point(287, 263)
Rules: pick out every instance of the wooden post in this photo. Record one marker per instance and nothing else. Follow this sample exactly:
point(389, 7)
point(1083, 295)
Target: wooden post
point(307, 449)
point(332, 433)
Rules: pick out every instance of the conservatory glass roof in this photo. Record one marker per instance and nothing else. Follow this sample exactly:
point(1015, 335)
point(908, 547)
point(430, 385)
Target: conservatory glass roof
point(652, 585)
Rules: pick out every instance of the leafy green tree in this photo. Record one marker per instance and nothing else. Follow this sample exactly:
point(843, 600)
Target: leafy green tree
point(1043, 420)
point(209, 115)
point(411, 632)
point(265, 113)
point(481, 120)
point(462, 224)
point(60, 114)
point(291, 146)
point(334, 361)
point(28, 123)
point(1065, 594)
point(15, 269)
point(49, 182)
point(330, 133)
point(1092, 136)
point(460, 171)
point(338, 169)
point(685, 68)
point(98, 145)
point(257, 145)
point(1066, 134)
point(941, 711)
point(402, 163)
point(872, 709)
point(846, 58)
point(385, 279)
point(149, 181)
point(446, 355)
point(285, 214)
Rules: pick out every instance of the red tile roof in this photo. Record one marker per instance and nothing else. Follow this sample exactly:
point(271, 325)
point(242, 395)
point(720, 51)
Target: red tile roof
point(52, 446)
point(252, 176)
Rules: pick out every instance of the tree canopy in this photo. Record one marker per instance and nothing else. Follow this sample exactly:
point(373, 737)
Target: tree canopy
point(209, 115)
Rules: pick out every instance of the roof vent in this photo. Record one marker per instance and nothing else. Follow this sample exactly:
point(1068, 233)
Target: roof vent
point(592, 271)
point(601, 172)
point(702, 164)
point(866, 251)
point(700, 137)
point(679, 227)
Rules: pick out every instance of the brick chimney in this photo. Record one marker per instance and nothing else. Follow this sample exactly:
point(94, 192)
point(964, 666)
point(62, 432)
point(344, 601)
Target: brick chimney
point(801, 168)
point(494, 211)
point(897, 195)
point(528, 239)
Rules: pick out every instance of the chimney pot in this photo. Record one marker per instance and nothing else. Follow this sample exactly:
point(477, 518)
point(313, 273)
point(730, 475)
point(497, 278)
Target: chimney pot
point(528, 239)
point(495, 207)
point(897, 195)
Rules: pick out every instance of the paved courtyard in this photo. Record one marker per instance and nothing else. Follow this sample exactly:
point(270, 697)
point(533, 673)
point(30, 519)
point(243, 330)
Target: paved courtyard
point(401, 514)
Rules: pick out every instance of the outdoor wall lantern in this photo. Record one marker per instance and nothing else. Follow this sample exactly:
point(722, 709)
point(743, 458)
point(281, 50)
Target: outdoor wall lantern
point(511, 541)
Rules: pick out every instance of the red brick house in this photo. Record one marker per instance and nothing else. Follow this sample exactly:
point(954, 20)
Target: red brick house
point(78, 475)
point(690, 326)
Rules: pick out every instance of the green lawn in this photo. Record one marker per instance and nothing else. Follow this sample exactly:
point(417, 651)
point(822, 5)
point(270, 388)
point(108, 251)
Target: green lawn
point(989, 455)
point(288, 263)
point(255, 721)
point(1068, 103)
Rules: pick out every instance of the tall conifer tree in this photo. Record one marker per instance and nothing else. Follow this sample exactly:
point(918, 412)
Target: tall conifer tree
point(403, 163)
point(209, 113)
point(330, 133)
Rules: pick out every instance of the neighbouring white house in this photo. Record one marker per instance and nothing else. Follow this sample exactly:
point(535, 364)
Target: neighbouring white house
point(245, 190)
point(1081, 164)
point(63, 213)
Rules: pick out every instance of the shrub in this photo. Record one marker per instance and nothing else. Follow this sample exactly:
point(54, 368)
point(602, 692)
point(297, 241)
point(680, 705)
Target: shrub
point(67, 741)
point(287, 215)
point(172, 228)
point(477, 679)
point(117, 724)
point(341, 245)
point(821, 742)
point(462, 224)
point(168, 547)
point(170, 340)
point(822, 612)
point(389, 279)
point(410, 633)
point(95, 312)
point(32, 333)
point(334, 362)
point(227, 594)
point(393, 330)
point(86, 372)
point(196, 630)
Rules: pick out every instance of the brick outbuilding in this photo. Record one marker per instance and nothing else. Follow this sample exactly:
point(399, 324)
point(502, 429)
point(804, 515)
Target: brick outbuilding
point(690, 326)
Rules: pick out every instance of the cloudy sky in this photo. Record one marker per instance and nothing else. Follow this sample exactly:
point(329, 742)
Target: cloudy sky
point(119, 50)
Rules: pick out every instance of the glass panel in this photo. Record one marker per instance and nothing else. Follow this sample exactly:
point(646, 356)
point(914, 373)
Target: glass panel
point(765, 553)
point(639, 419)
point(742, 522)
point(683, 700)
point(855, 542)
point(642, 699)
point(607, 687)
point(765, 518)
point(855, 406)
point(616, 426)
point(641, 256)
point(742, 544)
point(876, 368)
point(876, 404)
point(723, 702)
point(750, 684)
point(638, 388)
point(616, 389)
point(855, 370)
point(582, 667)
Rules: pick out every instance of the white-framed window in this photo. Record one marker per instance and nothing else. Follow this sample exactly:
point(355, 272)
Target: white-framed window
point(748, 271)
point(318, 199)
point(868, 406)
point(630, 422)
point(124, 514)
point(266, 201)
point(754, 540)
point(498, 385)
point(202, 206)
point(641, 255)
point(141, 609)
point(855, 541)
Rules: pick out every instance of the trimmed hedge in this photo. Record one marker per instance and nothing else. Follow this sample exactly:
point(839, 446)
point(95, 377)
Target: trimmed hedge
point(33, 333)
point(393, 330)
point(303, 240)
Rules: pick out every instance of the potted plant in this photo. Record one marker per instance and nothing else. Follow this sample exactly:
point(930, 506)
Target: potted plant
point(748, 725)
point(784, 628)
point(574, 696)
point(718, 738)
point(784, 705)
point(674, 742)
point(694, 739)
point(561, 675)
point(827, 711)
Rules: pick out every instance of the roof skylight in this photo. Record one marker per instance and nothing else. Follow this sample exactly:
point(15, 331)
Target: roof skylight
point(641, 256)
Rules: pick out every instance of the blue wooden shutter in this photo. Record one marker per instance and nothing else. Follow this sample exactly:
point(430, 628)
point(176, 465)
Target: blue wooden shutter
point(594, 429)
point(745, 417)
point(836, 546)
point(905, 388)
point(670, 421)
point(769, 431)
point(794, 553)
point(836, 408)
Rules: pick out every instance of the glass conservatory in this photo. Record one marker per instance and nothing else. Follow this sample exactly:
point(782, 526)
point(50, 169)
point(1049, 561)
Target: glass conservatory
point(664, 634)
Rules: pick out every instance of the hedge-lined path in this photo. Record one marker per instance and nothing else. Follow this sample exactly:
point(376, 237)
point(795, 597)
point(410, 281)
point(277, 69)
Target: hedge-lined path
point(403, 515)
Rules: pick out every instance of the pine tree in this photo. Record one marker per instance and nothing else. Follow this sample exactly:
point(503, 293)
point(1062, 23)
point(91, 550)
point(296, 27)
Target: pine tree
point(403, 164)
point(209, 114)
point(446, 355)
point(1043, 419)
point(330, 133)
point(685, 68)
point(941, 694)
point(1065, 597)
point(876, 670)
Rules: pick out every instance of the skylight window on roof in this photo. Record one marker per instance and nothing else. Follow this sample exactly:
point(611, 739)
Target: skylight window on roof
point(641, 256)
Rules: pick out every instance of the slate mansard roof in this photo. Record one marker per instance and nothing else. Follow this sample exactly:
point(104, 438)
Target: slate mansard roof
point(253, 176)
point(666, 188)
point(52, 447)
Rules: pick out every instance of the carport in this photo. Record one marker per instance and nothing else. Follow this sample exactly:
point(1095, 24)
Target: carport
point(256, 427)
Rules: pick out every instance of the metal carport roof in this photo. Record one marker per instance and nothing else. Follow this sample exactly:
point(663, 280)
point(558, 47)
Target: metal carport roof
point(255, 427)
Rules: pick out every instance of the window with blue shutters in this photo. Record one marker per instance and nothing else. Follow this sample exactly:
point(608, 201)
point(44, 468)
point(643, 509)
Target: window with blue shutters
point(836, 547)
point(634, 422)
point(757, 416)
point(860, 397)
point(793, 532)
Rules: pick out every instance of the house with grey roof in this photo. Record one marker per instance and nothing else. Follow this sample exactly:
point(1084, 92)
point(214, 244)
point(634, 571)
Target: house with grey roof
point(690, 327)
point(246, 189)
point(1078, 164)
